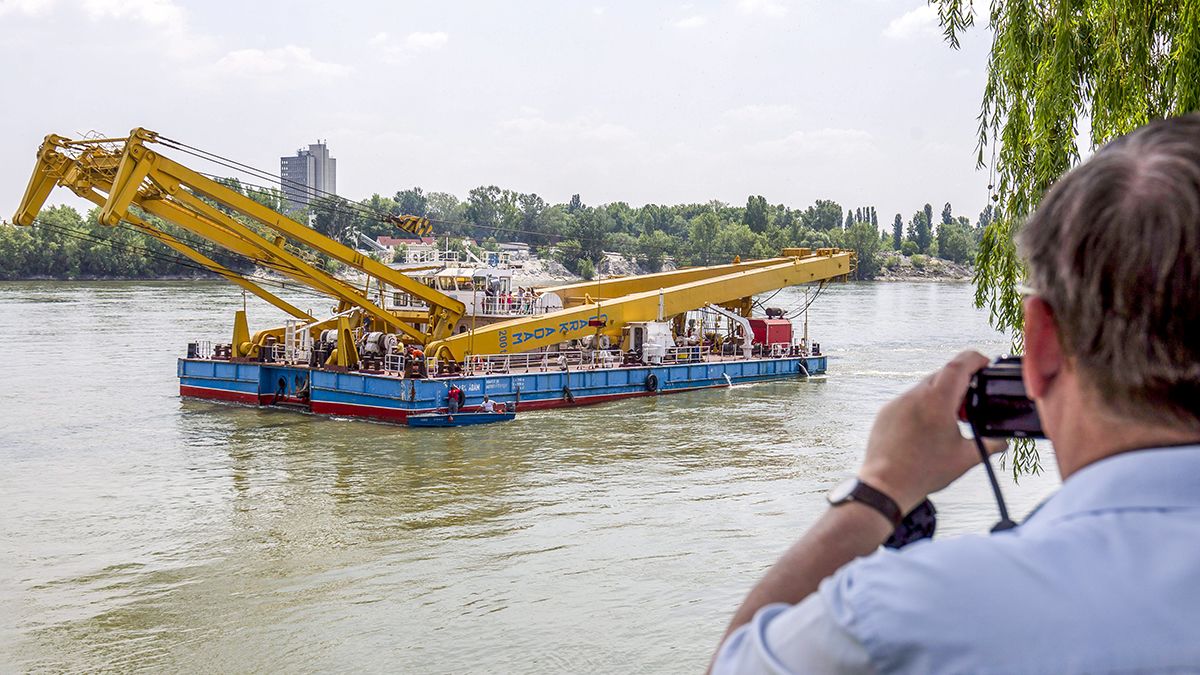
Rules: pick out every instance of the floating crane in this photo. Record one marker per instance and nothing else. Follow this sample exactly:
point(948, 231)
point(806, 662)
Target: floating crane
point(133, 182)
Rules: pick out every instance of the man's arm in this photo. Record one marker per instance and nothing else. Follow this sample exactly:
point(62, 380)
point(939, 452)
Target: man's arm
point(839, 536)
point(914, 449)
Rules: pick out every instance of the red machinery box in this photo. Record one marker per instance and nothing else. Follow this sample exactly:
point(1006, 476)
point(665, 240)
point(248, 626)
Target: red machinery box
point(771, 331)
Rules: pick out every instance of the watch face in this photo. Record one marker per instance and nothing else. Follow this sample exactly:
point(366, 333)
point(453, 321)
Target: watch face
point(841, 492)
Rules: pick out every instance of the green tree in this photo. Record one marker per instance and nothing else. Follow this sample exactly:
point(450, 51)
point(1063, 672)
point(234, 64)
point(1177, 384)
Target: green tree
point(897, 232)
point(412, 202)
point(849, 220)
point(1052, 63)
point(652, 249)
point(703, 231)
point(483, 208)
point(823, 215)
point(922, 234)
point(864, 241)
point(947, 214)
point(755, 215)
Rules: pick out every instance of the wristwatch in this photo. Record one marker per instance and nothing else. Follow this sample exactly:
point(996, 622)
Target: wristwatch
point(854, 490)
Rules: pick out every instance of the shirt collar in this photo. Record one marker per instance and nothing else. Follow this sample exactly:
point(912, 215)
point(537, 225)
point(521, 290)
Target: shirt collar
point(1153, 478)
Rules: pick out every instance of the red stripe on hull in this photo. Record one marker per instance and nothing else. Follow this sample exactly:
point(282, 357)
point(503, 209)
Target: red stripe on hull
point(222, 395)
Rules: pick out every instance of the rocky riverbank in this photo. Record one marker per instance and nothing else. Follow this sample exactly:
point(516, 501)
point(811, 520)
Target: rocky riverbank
point(895, 266)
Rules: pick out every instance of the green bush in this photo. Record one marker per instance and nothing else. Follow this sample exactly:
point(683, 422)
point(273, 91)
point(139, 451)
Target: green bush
point(918, 261)
point(586, 269)
point(909, 247)
point(892, 262)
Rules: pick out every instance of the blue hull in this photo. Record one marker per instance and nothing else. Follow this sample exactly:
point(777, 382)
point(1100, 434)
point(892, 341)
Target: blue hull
point(387, 397)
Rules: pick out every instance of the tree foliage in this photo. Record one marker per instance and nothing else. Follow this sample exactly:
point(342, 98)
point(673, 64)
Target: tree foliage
point(1117, 63)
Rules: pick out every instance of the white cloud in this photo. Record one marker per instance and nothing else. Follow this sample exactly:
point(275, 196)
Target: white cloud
point(426, 41)
point(762, 113)
point(694, 21)
point(395, 51)
point(766, 7)
point(26, 7)
point(169, 21)
point(269, 65)
point(163, 13)
point(575, 130)
point(919, 22)
point(829, 142)
point(598, 10)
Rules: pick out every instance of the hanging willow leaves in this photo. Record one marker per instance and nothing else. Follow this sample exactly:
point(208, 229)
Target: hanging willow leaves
point(1113, 65)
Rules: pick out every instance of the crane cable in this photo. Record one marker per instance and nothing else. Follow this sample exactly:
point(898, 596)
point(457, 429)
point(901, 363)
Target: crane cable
point(333, 198)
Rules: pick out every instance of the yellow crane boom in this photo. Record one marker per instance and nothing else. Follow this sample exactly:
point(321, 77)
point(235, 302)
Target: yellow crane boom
point(118, 174)
point(609, 317)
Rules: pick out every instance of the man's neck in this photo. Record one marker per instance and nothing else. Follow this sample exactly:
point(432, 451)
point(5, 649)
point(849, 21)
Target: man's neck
point(1104, 434)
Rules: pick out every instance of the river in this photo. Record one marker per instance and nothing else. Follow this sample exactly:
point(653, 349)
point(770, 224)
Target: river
point(141, 531)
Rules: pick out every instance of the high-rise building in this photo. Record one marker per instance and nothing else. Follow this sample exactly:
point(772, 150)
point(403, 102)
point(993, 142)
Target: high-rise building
point(308, 175)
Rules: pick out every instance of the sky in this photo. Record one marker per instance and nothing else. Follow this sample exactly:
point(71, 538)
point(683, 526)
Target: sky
point(859, 101)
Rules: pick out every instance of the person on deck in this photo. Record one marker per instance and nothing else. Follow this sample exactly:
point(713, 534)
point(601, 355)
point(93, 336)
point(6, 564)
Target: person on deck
point(488, 405)
point(1104, 576)
point(454, 398)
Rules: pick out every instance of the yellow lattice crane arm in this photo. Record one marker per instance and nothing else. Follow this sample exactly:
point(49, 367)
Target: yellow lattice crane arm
point(83, 175)
point(119, 174)
point(609, 317)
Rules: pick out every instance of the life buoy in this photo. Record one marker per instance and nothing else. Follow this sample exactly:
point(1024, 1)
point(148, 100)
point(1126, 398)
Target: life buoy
point(568, 395)
point(651, 382)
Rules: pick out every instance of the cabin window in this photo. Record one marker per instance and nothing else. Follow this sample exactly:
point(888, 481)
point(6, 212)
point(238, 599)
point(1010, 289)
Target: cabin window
point(464, 284)
point(446, 283)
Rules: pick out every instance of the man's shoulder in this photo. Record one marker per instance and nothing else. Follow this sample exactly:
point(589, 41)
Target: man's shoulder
point(1077, 591)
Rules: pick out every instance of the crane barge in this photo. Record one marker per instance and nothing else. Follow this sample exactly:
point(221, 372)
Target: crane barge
point(573, 344)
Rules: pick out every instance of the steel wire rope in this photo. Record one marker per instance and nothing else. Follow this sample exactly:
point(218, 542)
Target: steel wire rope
point(808, 304)
point(332, 197)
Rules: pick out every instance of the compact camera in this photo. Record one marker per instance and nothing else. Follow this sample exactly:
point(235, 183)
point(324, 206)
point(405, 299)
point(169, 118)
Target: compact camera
point(996, 405)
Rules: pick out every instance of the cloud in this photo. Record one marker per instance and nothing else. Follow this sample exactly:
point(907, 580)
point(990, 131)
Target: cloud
point(272, 65)
point(582, 129)
point(426, 41)
point(26, 7)
point(765, 7)
point(694, 21)
point(830, 142)
point(915, 23)
point(169, 21)
point(762, 113)
point(396, 51)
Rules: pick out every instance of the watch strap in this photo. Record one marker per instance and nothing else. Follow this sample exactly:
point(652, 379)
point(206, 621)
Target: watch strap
point(865, 494)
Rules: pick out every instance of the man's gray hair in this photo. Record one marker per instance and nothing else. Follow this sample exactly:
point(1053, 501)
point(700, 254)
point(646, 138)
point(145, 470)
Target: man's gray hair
point(1114, 249)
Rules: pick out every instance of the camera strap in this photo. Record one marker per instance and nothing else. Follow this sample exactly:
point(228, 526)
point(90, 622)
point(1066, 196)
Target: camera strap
point(1005, 522)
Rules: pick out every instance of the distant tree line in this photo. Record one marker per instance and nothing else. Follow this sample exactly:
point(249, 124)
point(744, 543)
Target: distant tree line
point(575, 233)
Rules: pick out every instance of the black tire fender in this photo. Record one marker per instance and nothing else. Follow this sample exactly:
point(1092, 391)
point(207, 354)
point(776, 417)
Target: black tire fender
point(570, 398)
point(652, 382)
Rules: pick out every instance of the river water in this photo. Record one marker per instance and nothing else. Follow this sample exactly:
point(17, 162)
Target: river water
point(142, 531)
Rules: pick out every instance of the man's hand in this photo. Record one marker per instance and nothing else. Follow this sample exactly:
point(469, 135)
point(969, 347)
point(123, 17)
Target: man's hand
point(915, 447)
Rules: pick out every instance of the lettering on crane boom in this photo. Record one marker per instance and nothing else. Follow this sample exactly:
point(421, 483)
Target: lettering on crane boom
point(518, 337)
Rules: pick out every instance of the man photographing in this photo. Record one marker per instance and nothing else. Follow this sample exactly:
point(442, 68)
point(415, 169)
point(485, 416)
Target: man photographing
point(1105, 575)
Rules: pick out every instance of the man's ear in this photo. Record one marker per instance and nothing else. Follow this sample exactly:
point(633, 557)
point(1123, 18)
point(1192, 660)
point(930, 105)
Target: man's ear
point(1043, 358)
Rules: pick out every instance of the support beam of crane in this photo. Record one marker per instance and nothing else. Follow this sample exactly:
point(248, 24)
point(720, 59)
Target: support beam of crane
point(602, 289)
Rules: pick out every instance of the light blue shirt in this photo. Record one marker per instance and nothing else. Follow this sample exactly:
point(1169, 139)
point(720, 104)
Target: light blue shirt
point(1103, 578)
